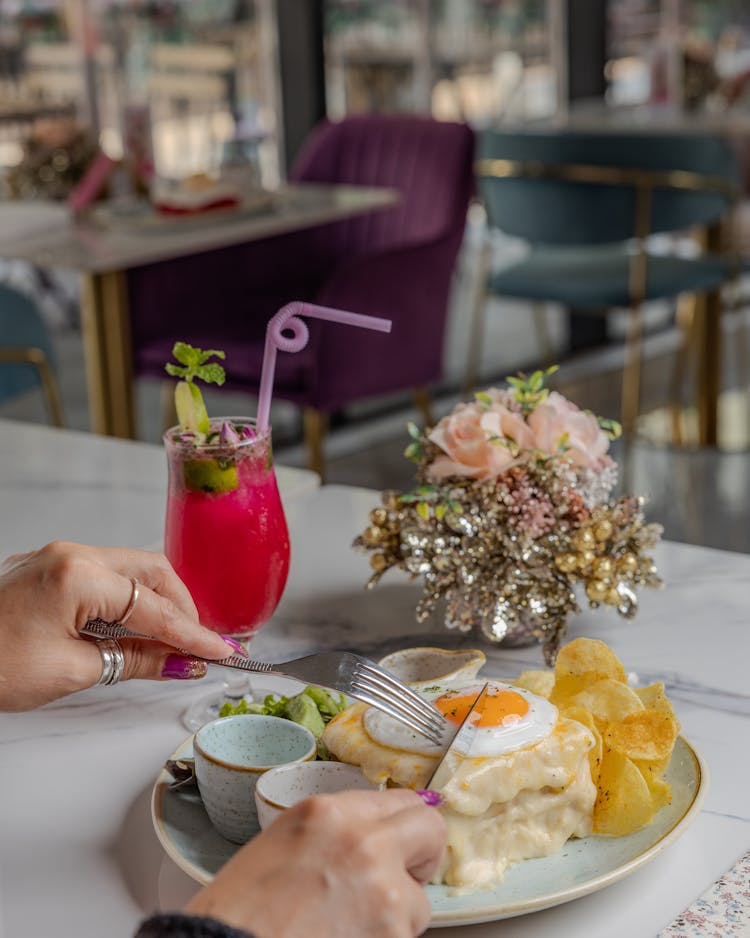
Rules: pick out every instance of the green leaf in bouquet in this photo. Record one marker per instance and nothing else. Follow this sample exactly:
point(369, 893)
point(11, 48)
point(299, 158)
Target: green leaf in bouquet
point(423, 510)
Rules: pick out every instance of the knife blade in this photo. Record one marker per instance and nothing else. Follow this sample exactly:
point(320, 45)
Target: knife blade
point(460, 746)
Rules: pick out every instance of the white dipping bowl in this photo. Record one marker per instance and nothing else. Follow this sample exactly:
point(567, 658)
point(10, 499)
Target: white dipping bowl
point(284, 786)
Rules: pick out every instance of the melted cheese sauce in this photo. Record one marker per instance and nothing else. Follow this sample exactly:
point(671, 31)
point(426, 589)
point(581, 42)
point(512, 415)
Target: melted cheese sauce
point(499, 809)
point(528, 806)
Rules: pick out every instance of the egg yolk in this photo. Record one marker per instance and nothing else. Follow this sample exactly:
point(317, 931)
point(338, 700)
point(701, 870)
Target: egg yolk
point(501, 707)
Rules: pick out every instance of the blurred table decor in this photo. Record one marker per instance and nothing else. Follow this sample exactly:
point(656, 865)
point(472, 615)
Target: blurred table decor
point(56, 155)
point(512, 517)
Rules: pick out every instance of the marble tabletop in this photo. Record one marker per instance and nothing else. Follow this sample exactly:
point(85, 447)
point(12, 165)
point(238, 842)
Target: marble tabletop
point(94, 246)
point(78, 853)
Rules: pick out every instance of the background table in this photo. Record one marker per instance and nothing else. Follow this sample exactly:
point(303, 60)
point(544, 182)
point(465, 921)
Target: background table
point(104, 254)
point(78, 854)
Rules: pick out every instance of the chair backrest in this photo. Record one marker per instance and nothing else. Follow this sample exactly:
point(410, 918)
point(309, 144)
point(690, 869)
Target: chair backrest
point(21, 327)
point(537, 194)
point(412, 154)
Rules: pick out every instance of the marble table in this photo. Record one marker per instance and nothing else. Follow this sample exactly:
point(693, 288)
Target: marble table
point(78, 853)
point(102, 252)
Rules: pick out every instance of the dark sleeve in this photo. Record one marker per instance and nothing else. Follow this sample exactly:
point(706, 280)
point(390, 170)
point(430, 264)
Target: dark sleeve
point(176, 925)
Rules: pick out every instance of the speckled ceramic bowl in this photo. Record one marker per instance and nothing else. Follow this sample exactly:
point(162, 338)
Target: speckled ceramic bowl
point(284, 786)
point(231, 754)
point(427, 665)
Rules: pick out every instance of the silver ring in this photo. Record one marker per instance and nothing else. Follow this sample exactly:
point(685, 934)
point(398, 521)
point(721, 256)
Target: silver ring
point(131, 605)
point(113, 661)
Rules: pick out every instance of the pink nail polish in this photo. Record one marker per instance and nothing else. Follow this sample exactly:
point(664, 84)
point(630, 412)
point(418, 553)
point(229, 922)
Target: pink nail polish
point(236, 646)
point(432, 798)
point(181, 668)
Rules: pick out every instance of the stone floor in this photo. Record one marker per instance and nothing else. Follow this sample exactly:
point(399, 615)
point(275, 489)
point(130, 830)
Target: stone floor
point(701, 496)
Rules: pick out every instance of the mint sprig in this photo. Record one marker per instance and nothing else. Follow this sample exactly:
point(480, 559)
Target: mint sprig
point(194, 364)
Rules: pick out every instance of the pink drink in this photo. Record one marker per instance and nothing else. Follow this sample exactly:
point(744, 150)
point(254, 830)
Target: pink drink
point(226, 535)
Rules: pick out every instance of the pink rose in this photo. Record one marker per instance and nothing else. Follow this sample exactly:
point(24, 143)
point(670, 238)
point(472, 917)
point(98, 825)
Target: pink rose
point(468, 437)
point(559, 423)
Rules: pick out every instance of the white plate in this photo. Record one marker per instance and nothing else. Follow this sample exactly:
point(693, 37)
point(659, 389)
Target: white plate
point(581, 867)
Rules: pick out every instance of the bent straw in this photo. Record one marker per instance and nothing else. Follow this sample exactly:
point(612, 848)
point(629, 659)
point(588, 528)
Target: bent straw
point(288, 318)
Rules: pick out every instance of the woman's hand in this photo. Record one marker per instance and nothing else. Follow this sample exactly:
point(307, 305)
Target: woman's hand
point(48, 595)
point(333, 866)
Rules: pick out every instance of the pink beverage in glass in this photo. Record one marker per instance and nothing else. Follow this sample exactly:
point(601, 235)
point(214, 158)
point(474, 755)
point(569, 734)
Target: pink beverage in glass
point(226, 534)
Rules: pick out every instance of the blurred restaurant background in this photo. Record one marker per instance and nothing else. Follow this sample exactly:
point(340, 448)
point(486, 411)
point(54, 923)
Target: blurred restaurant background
point(131, 131)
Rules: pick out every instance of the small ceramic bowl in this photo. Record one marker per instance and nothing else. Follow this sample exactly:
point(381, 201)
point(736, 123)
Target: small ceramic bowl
point(231, 754)
point(280, 788)
point(426, 665)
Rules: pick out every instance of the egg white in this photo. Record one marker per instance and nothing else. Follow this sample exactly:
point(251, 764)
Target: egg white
point(535, 725)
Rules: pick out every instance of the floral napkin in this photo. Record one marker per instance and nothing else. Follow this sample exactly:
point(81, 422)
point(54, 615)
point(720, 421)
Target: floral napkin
point(723, 911)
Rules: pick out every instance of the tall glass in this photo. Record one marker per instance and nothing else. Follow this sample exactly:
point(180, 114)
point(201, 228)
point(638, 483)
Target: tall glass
point(226, 536)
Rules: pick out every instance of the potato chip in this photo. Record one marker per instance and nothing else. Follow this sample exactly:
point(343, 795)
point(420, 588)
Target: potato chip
point(652, 769)
point(538, 682)
point(584, 716)
point(647, 734)
point(589, 654)
point(609, 700)
point(634, 732)
point(623, 803)
point(654, 697)
point(566, 686)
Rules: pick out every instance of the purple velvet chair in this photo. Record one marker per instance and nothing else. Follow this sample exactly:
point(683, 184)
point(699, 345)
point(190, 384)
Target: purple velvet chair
point(396, 263)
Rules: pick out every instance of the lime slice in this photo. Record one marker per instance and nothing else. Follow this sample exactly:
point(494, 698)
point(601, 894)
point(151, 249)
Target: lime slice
point(191, 411)
point(206, 475)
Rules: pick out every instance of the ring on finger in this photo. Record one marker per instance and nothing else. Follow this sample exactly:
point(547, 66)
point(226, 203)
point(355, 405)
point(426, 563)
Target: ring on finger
point(131, 605)
point(113, 661)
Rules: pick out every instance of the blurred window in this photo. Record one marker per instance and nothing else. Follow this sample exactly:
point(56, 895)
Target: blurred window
point(478, 60)
point(204, 71)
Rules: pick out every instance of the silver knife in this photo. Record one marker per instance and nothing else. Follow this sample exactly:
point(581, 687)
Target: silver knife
point(460, 746)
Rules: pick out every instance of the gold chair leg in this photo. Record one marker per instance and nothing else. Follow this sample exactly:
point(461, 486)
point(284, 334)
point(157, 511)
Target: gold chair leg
point(423, 402)
point(38, 360)
point(541, 327)
point(51, 391)
point(314, 425)
point(631, 374)
point(684, 319)
point(477, 324)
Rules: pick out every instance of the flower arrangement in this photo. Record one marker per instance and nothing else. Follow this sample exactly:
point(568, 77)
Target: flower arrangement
point(56, 155)
point(511, 512)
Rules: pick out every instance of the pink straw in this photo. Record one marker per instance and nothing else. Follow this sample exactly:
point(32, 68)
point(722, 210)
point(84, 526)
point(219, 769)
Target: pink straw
point(288, 318)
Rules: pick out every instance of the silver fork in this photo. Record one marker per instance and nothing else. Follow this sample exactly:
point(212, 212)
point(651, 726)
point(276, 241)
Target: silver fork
point(344, 671)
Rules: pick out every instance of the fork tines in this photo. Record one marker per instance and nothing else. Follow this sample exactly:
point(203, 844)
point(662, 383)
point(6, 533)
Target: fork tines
point(387, 691)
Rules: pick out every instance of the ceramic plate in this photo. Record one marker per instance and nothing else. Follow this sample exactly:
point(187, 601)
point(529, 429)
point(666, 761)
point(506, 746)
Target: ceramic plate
point(583, 866)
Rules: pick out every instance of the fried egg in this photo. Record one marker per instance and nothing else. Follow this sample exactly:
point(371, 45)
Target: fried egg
point(511, 718)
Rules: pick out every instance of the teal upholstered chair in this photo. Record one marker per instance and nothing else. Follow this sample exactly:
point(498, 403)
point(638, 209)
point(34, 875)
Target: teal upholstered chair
point(586, 204)
point(26, 353)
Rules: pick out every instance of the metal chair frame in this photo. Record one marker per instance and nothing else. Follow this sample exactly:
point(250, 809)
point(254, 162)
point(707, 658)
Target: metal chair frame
point(644, 182)
point(36, 358)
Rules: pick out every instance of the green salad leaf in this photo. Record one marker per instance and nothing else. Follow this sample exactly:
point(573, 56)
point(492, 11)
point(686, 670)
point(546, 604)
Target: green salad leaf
point(312, 708)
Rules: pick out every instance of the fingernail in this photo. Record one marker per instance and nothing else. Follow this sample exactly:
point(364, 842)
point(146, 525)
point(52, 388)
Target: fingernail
point(236, 646)
point(183, 669)
point(432, 798)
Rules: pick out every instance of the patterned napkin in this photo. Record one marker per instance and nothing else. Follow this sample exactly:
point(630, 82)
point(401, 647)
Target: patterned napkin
point(723, 911)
